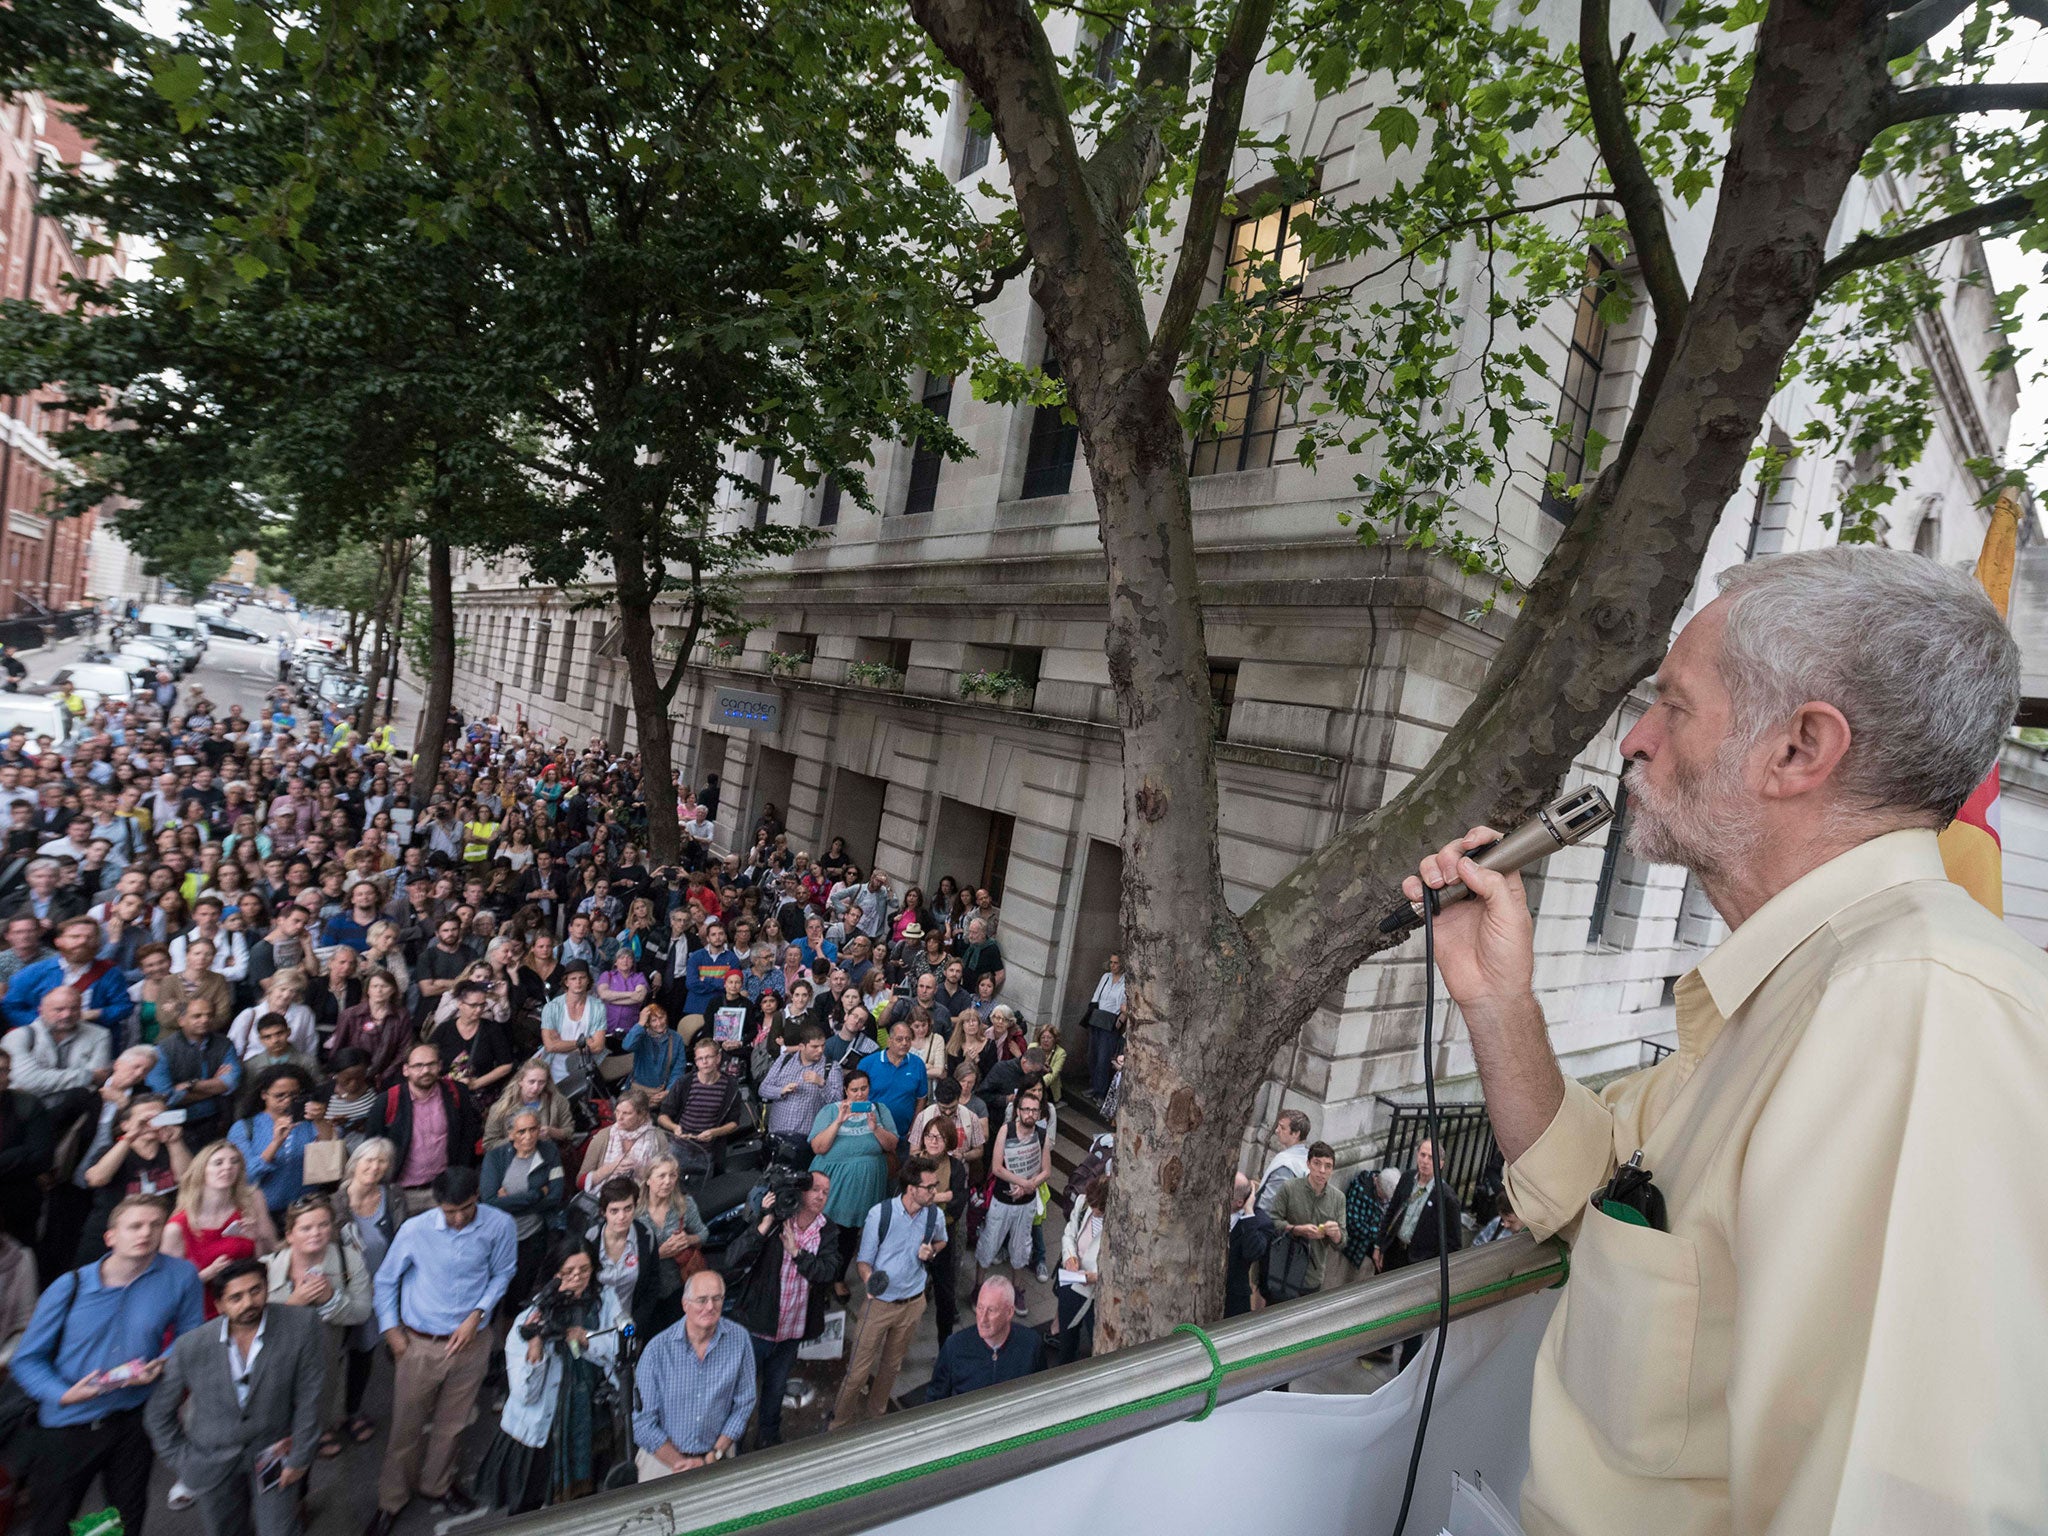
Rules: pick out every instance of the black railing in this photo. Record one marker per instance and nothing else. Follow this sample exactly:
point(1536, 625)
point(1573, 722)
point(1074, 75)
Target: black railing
point(28, 633)
point(1654, 1051)
point(1468, 1159)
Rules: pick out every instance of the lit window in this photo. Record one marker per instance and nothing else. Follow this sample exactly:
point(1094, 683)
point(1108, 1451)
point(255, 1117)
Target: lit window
point(1265, 264)
point(1582, 367)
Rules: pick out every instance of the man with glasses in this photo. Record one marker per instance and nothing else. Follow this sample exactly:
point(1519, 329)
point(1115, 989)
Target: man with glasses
point(897, 1239)
point(696, 1384)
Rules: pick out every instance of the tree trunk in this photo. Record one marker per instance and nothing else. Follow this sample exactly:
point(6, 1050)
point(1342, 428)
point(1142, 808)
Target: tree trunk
point(1214, 998)
point(635, 588)
point(391, 564)
point(440, 671)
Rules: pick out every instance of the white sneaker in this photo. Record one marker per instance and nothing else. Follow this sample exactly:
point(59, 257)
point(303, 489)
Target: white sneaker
point(1044, 1272)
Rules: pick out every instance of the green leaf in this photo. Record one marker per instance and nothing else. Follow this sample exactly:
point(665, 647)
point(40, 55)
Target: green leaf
point(1397, 127)
point(178, 78)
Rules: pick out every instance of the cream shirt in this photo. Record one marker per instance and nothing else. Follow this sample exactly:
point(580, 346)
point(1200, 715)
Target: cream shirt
point(1845, 1329)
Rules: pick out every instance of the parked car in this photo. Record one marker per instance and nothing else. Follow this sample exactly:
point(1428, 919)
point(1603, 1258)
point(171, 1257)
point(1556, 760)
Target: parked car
point(228, 629)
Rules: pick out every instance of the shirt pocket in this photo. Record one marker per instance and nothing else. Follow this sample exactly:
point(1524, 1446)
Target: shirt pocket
point(1626, 1353)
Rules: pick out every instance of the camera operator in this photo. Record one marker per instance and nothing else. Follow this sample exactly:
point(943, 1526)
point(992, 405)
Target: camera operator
point(558, 1355)
point(782, 1270)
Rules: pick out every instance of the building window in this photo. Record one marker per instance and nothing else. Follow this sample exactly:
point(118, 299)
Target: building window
point(568, 659)
point(1223, 695)
point(828, 502)
point(925, 458)
point(540, 655)
point(525, 647)
point(793, 643)
point(1049, 461)
point(1108, 49)
point(1582, 367)
point(1610, 866)
point(1264, 264)
point(974, 145)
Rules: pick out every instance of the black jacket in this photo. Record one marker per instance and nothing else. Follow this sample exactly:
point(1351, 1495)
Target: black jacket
point(647, 1279)
point(393, 1119)
point(1396, 1253)
point(753, 1277)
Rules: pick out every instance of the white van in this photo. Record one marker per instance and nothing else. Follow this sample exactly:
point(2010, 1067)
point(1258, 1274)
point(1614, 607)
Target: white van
point(41, 713)
point(182, 628)
point(108, 678)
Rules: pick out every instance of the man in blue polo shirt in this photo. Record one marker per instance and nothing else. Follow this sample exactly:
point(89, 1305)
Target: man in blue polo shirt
point(90, 1356)
point(898, 1079)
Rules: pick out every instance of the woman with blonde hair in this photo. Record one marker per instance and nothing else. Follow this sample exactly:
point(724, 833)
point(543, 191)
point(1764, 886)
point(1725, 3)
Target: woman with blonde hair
point(219, 1215)
point(672, 1219)
point(371, 1205)
point(283, 993)
point(314, 1269)
point(628, 1146)
point(531, 1087)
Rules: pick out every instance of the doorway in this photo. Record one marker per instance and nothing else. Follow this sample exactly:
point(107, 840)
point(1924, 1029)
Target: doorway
point(856, 815)
point(1097, 933)
point(774, 776)
point(972, 845)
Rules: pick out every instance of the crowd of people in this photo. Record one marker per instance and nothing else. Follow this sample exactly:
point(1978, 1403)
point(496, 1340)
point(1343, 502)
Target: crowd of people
point(303, 1091)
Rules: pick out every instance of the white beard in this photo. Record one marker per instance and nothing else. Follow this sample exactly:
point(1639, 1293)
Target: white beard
point(1708, 822)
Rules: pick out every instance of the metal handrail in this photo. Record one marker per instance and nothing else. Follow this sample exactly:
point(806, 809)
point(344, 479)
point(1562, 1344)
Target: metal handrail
point(897, 1466)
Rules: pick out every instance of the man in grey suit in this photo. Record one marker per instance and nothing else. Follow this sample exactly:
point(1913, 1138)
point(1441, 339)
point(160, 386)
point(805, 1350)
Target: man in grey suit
point(253, 1380)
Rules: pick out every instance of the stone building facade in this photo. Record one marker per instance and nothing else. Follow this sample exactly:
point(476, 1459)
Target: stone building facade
point(1336, 668)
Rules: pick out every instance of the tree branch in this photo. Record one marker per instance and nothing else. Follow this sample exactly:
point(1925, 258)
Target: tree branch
point(1641, 203)
point(1872, 250)
point(1236, 58)
point(1954, 100)
point(1916, 26)
point(688, 642)
point(1000, 279)
point(1452, 226)
point(1128, 157)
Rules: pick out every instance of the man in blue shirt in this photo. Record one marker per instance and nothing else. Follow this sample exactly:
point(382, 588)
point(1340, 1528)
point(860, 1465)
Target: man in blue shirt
point(898, 1238)
point(898, 1079)
point(110, 1317)
point(696, 1384)
point(102, 990)
point(353, 926)
point(444, 1275)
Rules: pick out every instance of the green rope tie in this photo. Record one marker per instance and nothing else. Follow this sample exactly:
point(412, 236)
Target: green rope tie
point(1201, 1336)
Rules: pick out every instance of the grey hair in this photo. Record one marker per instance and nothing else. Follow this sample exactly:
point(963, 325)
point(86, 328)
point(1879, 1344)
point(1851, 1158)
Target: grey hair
point(376, 1146)
point(1911, 652)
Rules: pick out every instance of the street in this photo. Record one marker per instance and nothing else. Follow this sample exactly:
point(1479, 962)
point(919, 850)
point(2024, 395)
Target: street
point(232, 672)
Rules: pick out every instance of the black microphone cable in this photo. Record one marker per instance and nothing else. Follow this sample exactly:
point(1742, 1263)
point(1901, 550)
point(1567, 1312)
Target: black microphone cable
point(1443, 1236)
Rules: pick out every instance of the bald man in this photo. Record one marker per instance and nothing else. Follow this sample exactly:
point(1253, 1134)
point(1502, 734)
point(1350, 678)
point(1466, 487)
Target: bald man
point(996, 1351)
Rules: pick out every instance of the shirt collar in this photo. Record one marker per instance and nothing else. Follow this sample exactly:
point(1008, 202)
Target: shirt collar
point(1745, 959)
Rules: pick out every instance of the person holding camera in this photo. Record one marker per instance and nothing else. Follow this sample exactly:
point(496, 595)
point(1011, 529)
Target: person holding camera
point(783, 1268)
point(897, 1240)
point(273, 1135)
point(563, 1344)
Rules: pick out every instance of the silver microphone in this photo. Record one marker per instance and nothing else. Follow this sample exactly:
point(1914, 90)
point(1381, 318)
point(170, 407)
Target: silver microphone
point(1558, 825)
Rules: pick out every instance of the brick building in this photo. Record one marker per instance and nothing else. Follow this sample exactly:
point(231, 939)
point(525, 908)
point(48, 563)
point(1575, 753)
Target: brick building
point(43, 560)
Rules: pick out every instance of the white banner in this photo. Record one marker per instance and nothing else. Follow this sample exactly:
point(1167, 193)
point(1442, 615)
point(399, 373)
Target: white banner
point(1306, 1464)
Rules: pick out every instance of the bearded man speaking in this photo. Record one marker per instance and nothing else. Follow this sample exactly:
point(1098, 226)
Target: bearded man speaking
point(1834, 1321)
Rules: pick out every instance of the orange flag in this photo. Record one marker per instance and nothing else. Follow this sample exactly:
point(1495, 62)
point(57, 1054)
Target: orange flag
point(1970, 845)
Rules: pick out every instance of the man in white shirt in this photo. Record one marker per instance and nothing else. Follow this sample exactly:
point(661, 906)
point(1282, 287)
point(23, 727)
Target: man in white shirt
point(1290, 1135)
point(1827, 1320)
